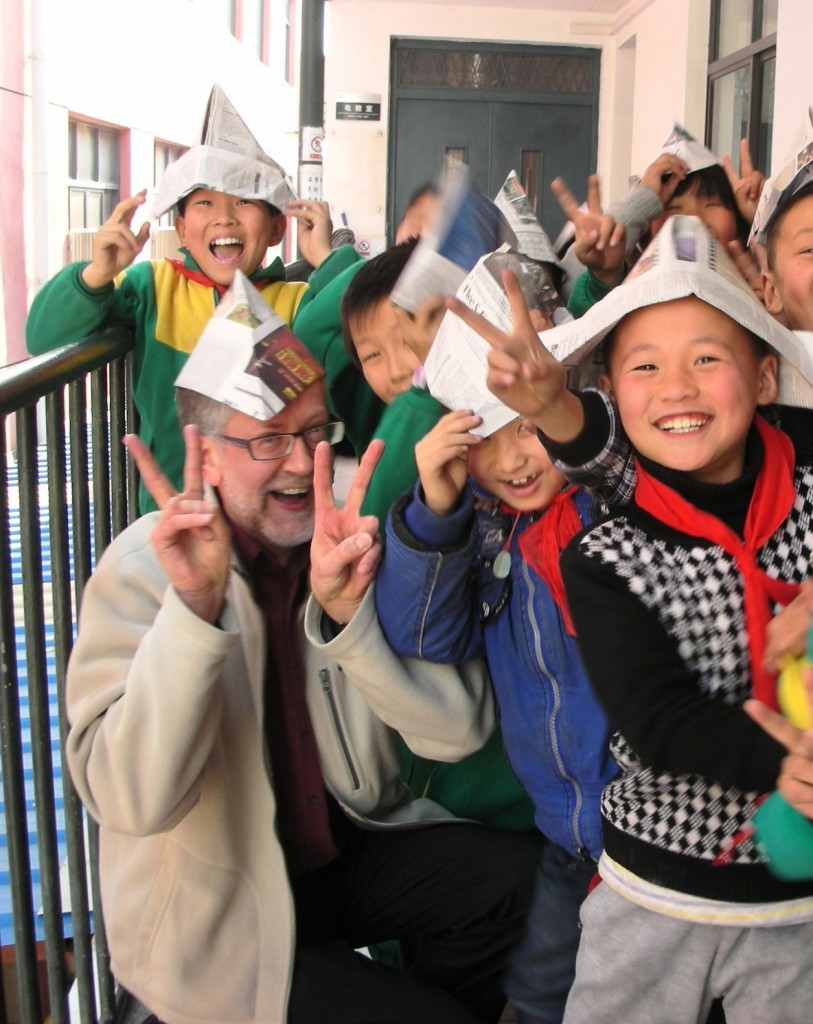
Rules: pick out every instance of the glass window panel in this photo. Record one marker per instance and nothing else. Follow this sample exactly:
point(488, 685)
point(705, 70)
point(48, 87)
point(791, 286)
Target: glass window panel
point(85, 152)
point(108, 157)
point(762, 151)
point(734, 25)
point(76, 209)
point(769, 12)
point(529, 175)
point(95, 210)
point(109, 200)
point(71, 149)
point(730, 109)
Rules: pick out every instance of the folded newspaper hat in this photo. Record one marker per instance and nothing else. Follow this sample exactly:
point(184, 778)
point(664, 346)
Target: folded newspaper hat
point(467, 226)
point(515, 206)
point(686, 147)
point(778, 190)
point(228, 159)
point(248, 357)
point(683, 259)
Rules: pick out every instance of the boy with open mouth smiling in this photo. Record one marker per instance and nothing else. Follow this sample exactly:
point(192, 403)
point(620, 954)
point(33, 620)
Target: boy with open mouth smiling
point(671, 596)
point(230, 204)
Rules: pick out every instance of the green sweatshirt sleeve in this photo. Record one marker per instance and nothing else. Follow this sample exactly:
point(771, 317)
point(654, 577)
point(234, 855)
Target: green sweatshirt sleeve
point(587, 291)
point(66, 310)
point(318, 325)
point(334, 266)
point(408, 419)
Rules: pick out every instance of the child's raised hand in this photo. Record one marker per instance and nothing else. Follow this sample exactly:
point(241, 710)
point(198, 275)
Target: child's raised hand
point(114, 244)
point(314, 230)
point(786, 633)
point(664, 175)
point(599, 242)
point(442, 459)
point(747, 185)
point(522, 373)
point(746, 262)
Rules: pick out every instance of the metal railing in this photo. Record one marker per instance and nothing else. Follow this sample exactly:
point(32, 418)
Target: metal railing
point(74, 491)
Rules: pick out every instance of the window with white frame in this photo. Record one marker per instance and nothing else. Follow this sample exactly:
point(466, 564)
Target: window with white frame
point(164, 154)
point(93, 174)
point(742, 70)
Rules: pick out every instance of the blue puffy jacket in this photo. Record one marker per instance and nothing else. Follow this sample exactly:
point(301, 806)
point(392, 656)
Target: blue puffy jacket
point(439, 599)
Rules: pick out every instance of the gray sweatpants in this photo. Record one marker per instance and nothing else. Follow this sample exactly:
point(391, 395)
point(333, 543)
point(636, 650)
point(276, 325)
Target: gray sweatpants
point(638, 967)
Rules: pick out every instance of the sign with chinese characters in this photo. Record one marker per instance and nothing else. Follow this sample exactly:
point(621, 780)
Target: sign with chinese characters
point(312, 139)
point(358, 106)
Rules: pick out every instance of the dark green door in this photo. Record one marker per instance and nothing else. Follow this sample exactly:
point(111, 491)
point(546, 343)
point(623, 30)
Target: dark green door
point(532, 109)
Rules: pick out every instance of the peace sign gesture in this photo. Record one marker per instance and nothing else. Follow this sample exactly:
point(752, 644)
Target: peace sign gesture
point(345, 550)
point(599, 242)
point(115, 246)
point(191, 539)
point(747, 185)
point(521, 371)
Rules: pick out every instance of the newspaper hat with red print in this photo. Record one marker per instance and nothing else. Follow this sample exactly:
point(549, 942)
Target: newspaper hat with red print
point(247, 357)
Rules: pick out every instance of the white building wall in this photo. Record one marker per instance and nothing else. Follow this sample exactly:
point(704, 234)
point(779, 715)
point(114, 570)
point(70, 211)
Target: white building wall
point(794, 73)
point(670, 39)
point(146, 69)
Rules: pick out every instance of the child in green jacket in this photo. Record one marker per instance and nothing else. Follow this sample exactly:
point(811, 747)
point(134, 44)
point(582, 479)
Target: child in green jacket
point(224, 222)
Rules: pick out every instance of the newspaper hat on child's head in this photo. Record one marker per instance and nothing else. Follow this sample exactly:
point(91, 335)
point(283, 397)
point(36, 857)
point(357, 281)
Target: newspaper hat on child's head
point(247, 357)
point(683, 259)
point(686, 147)
point(228, 159)
point(513, 203)
point(796, 172)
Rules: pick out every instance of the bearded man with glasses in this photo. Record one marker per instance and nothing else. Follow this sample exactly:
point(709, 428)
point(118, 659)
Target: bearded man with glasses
point(234, 714)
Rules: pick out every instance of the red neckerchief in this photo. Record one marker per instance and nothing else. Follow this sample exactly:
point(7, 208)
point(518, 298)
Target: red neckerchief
point(542, 543)
point(771, 501)
point(197, 276)
point(259, 278)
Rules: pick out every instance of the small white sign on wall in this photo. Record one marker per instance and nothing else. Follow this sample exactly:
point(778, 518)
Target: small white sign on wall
point(310, 181)
point(312, 142)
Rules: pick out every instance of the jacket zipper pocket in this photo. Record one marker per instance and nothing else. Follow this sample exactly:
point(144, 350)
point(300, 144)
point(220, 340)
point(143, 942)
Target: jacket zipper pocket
point(344, 746)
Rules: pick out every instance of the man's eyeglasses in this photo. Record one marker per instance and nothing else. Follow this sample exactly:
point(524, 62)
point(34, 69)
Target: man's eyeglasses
point(278, 446)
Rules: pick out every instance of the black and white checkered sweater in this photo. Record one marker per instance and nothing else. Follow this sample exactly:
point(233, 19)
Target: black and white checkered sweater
point(661, 627)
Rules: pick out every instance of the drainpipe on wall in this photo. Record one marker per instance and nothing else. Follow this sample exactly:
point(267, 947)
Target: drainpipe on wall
point(39, 127)
point(311, 99)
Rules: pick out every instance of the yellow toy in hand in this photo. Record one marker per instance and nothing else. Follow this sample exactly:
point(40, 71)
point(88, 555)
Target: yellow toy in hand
point(791, 692)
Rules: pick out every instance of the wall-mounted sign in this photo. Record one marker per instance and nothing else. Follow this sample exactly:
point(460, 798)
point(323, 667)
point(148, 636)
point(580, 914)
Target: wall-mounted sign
point(312, 141)
point(310, 181)
point(358, 106)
